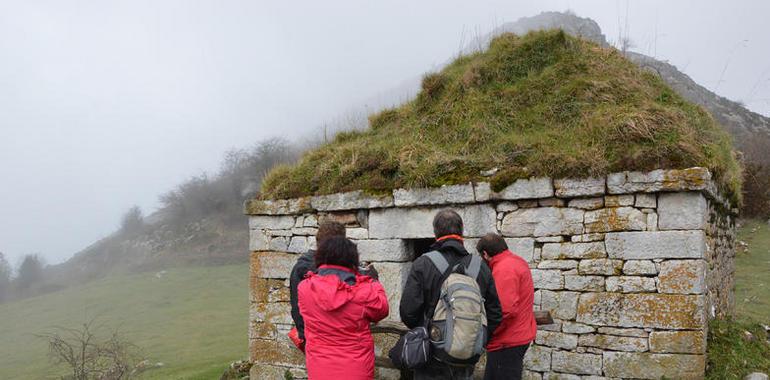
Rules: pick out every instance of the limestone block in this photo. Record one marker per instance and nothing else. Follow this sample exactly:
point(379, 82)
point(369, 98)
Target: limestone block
point(300, 244)
point(613, 342)
point(584, 283)
point(663, 311)
point(556, 339)
point(656, 245)
point(606, 267)
point(277, 207)
point(549, 239)
point(682, 276)
point(383, 250)
point(587, 203)
point(587, 238)
point(274, 233)
point(275, 352)
point(482, 191)
point(630, 284)
point(557, 264)
point(261, 330)
point(523, 247)
point(639, 268)
point(272, 264)
point(280, 243)
point(270, 372)
point(350, 201)
point(548, 279)
point(271, 312)
point(310, 221)
point(615, 219)
point(532, 188)
point(447, 194)
point(411, 223)
point(572, 188)
point(506, 207)
point(560, 376)
point(575, 363)
point(393, 277)
point(593, 250)
point(642, 365)
point(529, 375)
point(304, 231)
point(258, 240)
point(546, 221)
point(646, 201)
point(271, 222)
point(641, 333)
point(678, 342)
point(682, 211)
point(652, 221)
point(618, 200)
point(562, 305)
point(576, 328)
point(357, 233)
point(658, 180)
point(538, 358)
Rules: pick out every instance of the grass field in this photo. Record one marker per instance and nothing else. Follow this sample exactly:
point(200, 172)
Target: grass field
point(194, 320)
point(752, 272)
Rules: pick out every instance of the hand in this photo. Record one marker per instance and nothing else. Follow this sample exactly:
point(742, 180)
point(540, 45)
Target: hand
point(371, 271)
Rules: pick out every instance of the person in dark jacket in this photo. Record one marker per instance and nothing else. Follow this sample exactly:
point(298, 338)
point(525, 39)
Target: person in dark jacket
point(513, 279)
point(422, 288)
point(306, 263)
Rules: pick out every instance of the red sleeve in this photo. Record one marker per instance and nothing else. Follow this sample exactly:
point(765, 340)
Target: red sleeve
point(507, 283)
point(376, 308)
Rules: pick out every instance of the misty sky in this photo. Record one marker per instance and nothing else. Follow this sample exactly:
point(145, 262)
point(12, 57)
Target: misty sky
point(107, 104)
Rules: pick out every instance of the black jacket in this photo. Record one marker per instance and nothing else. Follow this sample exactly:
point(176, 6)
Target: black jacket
point(305, 263)
point(423, 286)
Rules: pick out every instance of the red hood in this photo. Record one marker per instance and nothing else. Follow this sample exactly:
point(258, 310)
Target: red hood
point(329, 292)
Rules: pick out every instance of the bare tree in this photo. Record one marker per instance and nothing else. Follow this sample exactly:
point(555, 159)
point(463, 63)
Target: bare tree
point(132, 221)
point(88, 356)
point(5, 278)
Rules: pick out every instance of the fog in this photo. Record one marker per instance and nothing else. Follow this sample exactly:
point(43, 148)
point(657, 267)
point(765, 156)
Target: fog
point(107, 104)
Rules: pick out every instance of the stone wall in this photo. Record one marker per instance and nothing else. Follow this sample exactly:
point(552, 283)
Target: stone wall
point(631, 266)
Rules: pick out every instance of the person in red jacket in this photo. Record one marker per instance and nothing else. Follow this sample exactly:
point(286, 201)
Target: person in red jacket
point(338, 304)
point(513, 280)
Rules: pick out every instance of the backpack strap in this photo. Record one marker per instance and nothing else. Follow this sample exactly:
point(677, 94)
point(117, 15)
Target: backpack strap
point(474, 267)
point(438, 260)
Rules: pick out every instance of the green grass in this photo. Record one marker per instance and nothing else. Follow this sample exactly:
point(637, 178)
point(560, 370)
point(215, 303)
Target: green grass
point(543, 104)
point(194, 320)
point(730, 354)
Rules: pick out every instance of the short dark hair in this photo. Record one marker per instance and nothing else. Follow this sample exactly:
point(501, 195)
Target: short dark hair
point(337, 250)
point(328, 229)
point(447, 222)
point(492, 244)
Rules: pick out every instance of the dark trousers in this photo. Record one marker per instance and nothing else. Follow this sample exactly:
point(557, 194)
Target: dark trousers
point(439, 371)
point(505, 364)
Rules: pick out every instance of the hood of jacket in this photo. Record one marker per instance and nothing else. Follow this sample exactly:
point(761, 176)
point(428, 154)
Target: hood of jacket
point(332, 287)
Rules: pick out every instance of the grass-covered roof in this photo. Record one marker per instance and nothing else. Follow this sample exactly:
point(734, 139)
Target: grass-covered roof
point(545, 104)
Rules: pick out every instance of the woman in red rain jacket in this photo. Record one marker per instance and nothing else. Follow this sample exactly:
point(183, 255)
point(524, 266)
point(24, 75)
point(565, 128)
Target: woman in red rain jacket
point(338, 304)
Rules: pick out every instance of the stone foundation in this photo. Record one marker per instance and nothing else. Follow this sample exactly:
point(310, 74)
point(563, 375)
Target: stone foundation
point(631, 266)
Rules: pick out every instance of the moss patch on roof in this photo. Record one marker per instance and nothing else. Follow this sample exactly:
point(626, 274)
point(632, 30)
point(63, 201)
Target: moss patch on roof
point(545, 104)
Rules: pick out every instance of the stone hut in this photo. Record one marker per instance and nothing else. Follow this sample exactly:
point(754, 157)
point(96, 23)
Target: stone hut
point(631, 266)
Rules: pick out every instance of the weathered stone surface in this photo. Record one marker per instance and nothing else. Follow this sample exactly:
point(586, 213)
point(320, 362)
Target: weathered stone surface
point(546, 221)
point(538, 358)
point(646, 201)
point(557, 264)
point(300, 244)
point(622, 332)
point(274, 352)
point(618, 200)
point(350, 201)
point(261, 330)
point(606, 267)
point(410, 223)
point(556, 339)
point(271, 264)
point(575, 363)
point(562, 305)
point(548, 279)
point(382, 373)
point(357, 233)
point(447, 194)
point(383, 250)
point(658, 180)
point(642, 365)
point(530, 375)
point(630, 284)
point(756, 376)
point(482, 191)
point(277, 207)
point(615, 219)
point(656, 245)
point(576, 328)
point(675, 342)
point(639, 268)
point(523, 247)
point(532, 188)
point(584, 283)
point(555, 251)
point(304, 231)
point(310, 221)
point(507, 207)
point(587, 203)
point(652, 221)
point(587, 238)
point(271, 222)
point(613, 342)
point(393, 277)
point(571, 188)
point(280, 244)
point(271, 312)
point(664, 311)
point(258, 240)
point(274, 233)
point(270, 372)
point(682, 211)
point(549, 239)
point(551, 202)
point(560, 376)
point(682, 276)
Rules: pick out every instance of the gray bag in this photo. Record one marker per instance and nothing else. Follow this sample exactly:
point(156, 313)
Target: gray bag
point(458, 329)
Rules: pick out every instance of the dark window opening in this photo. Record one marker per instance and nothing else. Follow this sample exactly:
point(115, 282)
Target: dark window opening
point(419, 246)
